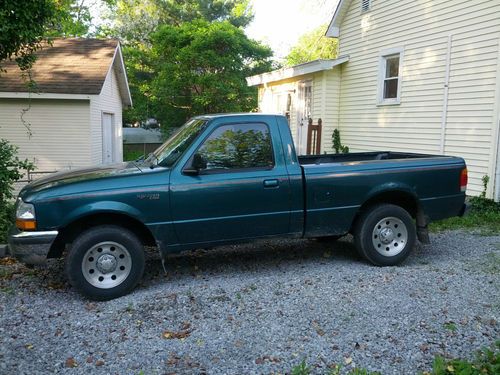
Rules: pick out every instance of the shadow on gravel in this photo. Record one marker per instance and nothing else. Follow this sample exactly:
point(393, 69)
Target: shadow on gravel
point(261, 256)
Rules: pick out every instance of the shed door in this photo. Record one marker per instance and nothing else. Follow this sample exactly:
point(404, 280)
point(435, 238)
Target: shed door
point(303, 115)
point(108, 138)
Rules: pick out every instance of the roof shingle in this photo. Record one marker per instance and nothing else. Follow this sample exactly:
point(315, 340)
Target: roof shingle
point(68, 66)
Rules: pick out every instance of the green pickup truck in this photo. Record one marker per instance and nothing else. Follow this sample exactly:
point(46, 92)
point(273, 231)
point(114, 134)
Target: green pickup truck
point(224, 179)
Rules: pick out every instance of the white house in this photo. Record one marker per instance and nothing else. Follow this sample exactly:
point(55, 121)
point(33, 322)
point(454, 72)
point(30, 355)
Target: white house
point(417, 75)
point(73, 117)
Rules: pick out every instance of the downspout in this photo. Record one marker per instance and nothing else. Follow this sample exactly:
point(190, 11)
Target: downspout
point(444, 114)
point(496, 195)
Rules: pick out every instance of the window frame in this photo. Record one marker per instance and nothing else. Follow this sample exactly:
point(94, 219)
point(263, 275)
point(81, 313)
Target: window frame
point(234, 170)
point(384, 55)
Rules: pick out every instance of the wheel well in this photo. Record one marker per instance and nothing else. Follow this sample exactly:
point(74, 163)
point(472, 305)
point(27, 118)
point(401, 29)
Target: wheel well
point(69, 233)
point(397, 198)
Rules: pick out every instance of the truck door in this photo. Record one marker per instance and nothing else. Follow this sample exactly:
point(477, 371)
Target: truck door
point(240, 191)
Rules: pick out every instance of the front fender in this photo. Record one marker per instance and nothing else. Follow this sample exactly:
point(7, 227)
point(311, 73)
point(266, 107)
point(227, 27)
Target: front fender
point(102, 207)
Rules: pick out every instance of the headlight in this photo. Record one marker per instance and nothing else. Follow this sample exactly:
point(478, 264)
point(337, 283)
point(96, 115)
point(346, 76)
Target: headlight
point(25, 215)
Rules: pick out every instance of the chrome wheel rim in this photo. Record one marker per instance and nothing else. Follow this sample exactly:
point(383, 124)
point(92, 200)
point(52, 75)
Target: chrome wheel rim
point(390, 236)
point(106, 265)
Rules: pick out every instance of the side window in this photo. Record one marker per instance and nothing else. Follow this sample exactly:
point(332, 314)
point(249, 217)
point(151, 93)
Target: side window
point(238, 146)
point(389, 85)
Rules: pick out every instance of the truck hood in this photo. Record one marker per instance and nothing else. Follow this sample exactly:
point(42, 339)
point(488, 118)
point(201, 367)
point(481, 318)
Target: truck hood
point(82, 175)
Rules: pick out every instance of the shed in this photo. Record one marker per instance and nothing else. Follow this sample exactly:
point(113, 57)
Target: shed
point(72, 116)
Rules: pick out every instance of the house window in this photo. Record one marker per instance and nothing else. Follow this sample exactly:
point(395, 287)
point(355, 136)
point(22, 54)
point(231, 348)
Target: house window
point(389, 90)
point(365, 5)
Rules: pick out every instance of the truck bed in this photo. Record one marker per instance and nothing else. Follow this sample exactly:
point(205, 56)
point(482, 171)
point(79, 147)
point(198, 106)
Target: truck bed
point(360, 156)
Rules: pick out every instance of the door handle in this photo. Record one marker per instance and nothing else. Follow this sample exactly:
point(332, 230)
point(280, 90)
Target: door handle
point(271, 183)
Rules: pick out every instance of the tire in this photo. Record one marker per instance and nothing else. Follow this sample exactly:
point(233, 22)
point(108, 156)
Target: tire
point(385, 235)
point(105, 262)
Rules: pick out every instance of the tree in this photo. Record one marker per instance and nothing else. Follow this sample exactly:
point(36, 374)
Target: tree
point(135, 20)
point(200, 67)
point(23, 24)
point(312, 46)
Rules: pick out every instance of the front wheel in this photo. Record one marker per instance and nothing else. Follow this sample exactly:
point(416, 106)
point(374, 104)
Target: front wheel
point(385, 235)
point(105, 262)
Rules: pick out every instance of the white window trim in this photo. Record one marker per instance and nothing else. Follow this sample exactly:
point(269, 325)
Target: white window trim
point(381, 75)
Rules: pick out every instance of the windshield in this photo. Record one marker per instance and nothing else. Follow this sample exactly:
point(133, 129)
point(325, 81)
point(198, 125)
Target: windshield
point(169, 152)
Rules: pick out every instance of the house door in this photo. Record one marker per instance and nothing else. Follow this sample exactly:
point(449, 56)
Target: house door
point(303, 115)
point(108, 138)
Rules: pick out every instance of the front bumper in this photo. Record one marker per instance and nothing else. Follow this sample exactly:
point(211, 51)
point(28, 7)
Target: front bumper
point(31, 247)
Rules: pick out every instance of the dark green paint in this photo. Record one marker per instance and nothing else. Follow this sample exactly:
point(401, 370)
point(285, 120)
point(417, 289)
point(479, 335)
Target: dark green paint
point(321, 197)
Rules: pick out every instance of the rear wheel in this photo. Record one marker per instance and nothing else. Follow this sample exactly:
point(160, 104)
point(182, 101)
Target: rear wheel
point(385, 235)
point(105, 262)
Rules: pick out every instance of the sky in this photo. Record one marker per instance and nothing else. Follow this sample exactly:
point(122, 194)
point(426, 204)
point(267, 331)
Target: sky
point(279, 23)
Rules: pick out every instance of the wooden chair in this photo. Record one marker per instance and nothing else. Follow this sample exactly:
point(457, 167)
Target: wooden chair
point(314, 137)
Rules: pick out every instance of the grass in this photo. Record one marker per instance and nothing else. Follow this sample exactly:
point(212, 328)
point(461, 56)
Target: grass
point(483, 217)
point(486, 362)
point(132, 155)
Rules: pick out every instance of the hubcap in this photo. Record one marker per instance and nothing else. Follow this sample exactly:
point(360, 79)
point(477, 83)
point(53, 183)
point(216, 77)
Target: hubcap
point(390, 236)
point(106, 265)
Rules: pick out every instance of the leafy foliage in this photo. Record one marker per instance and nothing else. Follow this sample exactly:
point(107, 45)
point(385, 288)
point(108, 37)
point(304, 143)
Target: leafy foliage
point(312, 46)
point(11, 170)
point(135, 20)
point(487, 362)
point(337, 144)
point(23, 24)
point(197, 67)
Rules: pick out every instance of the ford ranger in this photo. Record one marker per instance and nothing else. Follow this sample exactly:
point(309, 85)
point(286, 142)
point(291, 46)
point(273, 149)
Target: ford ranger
point(223, 179)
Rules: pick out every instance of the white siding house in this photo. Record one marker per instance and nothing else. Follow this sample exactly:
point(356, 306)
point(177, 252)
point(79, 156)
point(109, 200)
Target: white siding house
point(73, 118)
point(302, 92)
point(422, 76)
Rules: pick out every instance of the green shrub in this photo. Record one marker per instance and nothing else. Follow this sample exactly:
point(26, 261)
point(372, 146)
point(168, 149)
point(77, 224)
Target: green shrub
point(11, 170)
point(487, 362)
point(337, 144)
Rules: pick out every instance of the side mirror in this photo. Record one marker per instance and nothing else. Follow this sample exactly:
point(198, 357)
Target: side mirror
point(197, 164)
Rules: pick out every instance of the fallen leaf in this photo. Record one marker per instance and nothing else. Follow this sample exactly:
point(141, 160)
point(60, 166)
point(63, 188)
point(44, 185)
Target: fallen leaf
point(28, 346)
point(348, 360)
point(99, 362)
point(169, 335)
point(70, 363)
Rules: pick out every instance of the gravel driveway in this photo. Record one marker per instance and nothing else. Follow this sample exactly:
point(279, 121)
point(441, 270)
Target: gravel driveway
point(260, 308)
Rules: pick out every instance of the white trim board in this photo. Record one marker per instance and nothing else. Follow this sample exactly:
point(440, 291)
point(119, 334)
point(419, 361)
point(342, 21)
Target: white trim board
point(295, 71)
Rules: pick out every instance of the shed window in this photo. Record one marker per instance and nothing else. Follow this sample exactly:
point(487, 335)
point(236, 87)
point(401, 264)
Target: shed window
point(365, 5)
point(389, 90)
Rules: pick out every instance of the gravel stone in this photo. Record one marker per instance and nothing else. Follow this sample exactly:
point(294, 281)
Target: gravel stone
point(260, 308)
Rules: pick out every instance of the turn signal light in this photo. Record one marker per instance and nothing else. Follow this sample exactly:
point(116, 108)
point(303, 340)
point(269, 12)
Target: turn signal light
point(26, 224)
point(463, 180)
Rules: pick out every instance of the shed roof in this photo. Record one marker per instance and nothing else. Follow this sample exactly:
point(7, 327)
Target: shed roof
point(70, 66)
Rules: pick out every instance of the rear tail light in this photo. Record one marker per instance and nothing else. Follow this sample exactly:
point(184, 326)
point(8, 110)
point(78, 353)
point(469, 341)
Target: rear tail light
point(463, 180)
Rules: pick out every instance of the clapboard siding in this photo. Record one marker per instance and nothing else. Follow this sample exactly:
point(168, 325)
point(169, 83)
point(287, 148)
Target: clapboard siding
point(325, 101)
point(108, 101)
point(60, 130)
point(422, 29)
